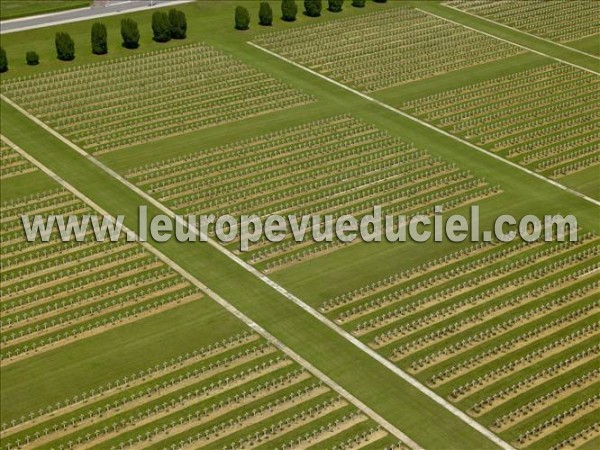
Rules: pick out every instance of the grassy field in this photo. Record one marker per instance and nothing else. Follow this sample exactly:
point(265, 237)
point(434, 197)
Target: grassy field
point(12, 9)
point(263, 377)
point(470, 322)
point(376, 386)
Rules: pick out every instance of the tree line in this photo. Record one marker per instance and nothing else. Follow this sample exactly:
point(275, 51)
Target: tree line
point(289, 11)
point(165, 26)
point(173, 25)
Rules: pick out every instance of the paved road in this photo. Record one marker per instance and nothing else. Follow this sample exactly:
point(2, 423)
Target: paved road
point(99, 9)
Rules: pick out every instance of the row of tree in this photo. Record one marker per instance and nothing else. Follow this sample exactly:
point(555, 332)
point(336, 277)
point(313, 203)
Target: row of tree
point(169, 26)
point(32, 59)
point(174, 26)
point(289, 11)
point(164, 27)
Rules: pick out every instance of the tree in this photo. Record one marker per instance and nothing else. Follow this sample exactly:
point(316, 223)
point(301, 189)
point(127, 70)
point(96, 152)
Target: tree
point(312, 8)
point(161, 27)
point(65, 47)
point(335, 5)
point(178, 23)
point(242, 18)
point(32, 58)
point(3, 61)
point(380, 1)
point(265, 14)
point(359, 3)
point(130, 33)
point(99, 39)
point(289, 10)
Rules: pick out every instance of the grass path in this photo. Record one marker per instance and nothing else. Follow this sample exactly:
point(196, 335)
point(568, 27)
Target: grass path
point(528, 48)
point(431, 127)
point(515, 30)
point(533, 43)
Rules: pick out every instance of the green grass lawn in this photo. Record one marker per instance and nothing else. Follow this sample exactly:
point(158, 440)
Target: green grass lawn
point(589, 45)
point(120, 351)
point(12, 9)
point(585, 181)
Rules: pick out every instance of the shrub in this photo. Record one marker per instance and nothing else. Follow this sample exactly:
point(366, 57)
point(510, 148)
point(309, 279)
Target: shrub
point(335, 5)
point(265, 14)
point(161, 27)
point(32, 58)
point(289, 10)
point(99, 39)
point(380, 1)
point(130, 33)
point(242, 18)
point(312, 8)
point(65, 47)
point(359, 3)
point(3, 61)
point(178, 23)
